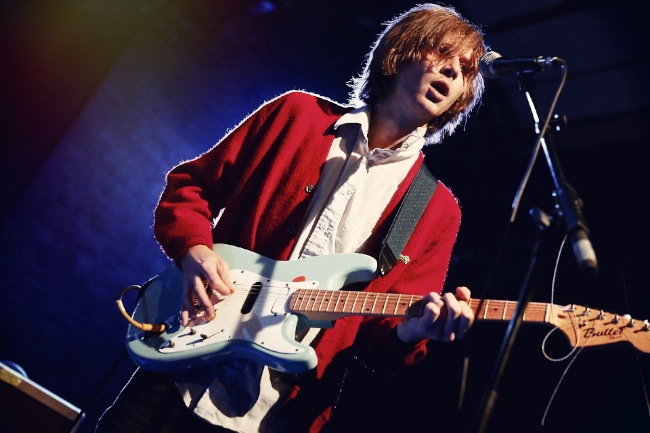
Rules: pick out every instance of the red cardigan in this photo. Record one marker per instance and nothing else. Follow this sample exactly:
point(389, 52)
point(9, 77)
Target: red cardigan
point(260, 172)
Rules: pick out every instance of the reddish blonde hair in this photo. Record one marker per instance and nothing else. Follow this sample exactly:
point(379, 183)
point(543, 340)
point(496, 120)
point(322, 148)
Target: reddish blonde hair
point(422, 30)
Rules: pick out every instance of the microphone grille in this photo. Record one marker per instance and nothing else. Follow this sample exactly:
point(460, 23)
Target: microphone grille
point(484, 64)
point(489, 57)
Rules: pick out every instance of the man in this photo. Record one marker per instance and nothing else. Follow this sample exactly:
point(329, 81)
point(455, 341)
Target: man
point(304, 176)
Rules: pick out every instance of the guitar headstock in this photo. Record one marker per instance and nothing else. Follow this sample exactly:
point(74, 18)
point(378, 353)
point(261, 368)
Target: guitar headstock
point(585, 327)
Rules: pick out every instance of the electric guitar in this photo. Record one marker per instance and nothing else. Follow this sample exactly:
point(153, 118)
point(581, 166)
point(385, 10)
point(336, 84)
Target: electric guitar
point(273, 299)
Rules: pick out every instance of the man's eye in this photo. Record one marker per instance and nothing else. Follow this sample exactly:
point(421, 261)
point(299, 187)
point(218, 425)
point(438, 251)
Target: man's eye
point(466, 69)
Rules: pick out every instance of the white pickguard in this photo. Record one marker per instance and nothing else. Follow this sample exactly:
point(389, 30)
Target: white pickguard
point(262, 325)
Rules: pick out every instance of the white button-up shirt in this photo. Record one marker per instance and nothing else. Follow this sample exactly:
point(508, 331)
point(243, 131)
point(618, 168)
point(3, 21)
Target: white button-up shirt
point(355, 188)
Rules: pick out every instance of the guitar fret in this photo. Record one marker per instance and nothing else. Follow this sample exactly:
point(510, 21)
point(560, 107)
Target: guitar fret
point(329, 302)
point(354, 303)
point(547, 313)
point(345, 302)
point(322, 299)
point(302, 299)
point(306, 300)
point(374, 303)
point(342, 302)
point(403, 305)
point(348, 304)
point(490, 309)
point(315, 296)
point(311, 301)
point(363, 304)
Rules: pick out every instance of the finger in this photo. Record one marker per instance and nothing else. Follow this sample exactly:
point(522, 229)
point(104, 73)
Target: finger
point(432, 316)
point(218, 278)
point(463, 293)
point(195, 302)
point(465, 321)
point(223, 270)
point(204, 301)
point(463, 326)
point(432, 319)
point(467, 314)
point(452, 312)
point(436, 299)
point(186, 313)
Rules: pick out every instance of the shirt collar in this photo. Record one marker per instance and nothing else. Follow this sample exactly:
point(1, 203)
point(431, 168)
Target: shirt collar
point(360, 115)
point(411, 145)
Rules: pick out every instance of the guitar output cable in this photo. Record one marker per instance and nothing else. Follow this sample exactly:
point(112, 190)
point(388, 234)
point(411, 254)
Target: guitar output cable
point(146, 327)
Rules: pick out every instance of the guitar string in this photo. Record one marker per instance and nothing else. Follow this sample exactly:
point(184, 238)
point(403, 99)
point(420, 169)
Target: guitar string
point(553, 282)
point(534, 309)
point(574, 350)
point(380, 300)
point(557, 386)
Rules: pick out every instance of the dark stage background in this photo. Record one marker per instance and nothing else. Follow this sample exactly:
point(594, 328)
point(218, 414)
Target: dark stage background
point(101, 98)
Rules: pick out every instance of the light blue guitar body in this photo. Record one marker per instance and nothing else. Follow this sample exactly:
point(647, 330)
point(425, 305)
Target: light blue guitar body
point(254, 323)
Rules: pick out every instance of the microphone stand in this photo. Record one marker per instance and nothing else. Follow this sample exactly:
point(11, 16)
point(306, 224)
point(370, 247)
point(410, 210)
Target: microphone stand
point(491, 395)
point(568, 205)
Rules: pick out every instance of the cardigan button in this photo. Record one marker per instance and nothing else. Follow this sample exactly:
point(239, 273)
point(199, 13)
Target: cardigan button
point(309, 189)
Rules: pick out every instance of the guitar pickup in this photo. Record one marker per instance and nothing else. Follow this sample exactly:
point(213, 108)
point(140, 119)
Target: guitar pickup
point(279, 306)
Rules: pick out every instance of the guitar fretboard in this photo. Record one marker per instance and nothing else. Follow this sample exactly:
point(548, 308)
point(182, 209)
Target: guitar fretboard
point(340, 303)
point(491, 309)
point(329, 304)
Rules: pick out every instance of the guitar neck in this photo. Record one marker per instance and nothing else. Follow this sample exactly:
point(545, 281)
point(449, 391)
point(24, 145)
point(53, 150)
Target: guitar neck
point(330, 305)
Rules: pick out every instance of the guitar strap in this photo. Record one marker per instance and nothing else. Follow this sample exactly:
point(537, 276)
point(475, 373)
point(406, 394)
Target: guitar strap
point(408, 214)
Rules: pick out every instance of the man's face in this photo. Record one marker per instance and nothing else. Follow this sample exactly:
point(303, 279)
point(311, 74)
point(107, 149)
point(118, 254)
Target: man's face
point(431, 85)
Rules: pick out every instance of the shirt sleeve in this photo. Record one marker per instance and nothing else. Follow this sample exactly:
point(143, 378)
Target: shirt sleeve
point(197, 190)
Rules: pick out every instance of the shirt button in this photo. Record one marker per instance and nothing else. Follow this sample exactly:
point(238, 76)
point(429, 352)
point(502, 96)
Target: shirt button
point(291, 229)
point(309, 189)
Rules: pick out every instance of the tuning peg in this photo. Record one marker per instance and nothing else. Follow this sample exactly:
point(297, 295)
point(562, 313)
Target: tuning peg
point(630, 321)
point(646, 326)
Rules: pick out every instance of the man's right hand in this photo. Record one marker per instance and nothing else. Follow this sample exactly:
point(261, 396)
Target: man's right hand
point(202, 267)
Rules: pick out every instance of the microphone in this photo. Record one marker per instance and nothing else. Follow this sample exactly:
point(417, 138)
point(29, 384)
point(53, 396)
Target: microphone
point(492, 65)
point(570, 207)
point(584, 252)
